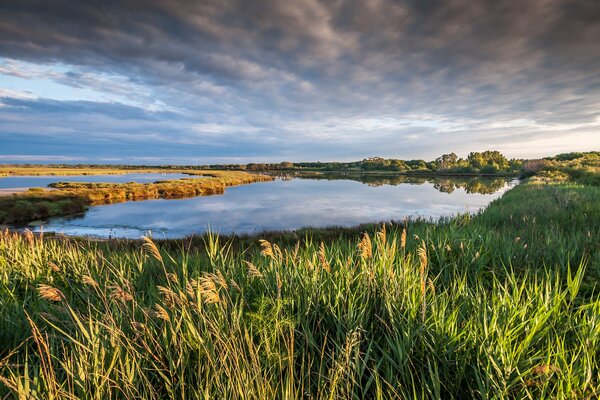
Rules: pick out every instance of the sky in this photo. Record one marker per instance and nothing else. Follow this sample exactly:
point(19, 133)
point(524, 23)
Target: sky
point(236, 81)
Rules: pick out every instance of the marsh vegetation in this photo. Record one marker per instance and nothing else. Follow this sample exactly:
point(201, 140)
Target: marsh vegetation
point(503, 303)
point(75, 197)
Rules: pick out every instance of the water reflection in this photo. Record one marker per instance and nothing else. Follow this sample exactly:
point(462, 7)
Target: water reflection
point(482, 185)
point(283, 204)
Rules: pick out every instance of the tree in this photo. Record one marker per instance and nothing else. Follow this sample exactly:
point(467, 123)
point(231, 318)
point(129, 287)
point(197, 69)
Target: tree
point(489, 158)
point(286, 165)
point(446, 161)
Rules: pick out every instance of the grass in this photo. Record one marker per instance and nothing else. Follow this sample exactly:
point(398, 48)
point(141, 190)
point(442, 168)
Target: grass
point(49, 170)
point(503, 304)
point(72, 197)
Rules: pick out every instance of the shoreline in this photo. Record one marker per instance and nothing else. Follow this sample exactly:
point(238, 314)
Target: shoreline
point(19, 190)
point(72, 197)
point(329, 232)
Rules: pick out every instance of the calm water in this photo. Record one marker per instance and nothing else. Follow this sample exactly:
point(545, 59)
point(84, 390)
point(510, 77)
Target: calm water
point(13, 182)
point(283, 205)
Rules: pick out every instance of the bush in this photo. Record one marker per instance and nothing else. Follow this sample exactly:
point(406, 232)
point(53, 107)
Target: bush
point(489, 169)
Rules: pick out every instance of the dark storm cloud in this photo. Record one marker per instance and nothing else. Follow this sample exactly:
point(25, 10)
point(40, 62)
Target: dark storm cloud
point(276, 65)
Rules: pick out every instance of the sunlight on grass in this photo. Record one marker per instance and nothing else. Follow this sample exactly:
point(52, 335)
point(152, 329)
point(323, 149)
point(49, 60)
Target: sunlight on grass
point(476, 306)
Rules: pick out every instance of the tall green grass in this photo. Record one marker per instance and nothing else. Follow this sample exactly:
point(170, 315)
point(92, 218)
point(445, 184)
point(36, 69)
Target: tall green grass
point(500, 305)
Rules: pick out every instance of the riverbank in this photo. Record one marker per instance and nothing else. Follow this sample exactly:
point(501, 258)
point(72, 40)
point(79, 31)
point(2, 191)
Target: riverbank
point(502, 304)
point(55, 170)
point(383, 173)
point(70, 198)
point(11, 191)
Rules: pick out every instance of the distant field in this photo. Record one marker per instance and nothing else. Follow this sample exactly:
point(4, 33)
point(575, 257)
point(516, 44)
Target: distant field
point(89, 170)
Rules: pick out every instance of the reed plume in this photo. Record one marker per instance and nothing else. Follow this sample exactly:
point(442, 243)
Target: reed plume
point(47, 292)
point(161, 313)
point(365, 247)
point(208, 289)
point(422, 252)
point(322, 258)
point(253, 271)
point(88, 280)
point(267, 249)
point(403, 238)
point(119, 294)
point(150, 247)
point(382, 234)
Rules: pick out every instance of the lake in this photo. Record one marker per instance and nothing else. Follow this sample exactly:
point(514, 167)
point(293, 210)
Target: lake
point(25, 182)
point(286, 204)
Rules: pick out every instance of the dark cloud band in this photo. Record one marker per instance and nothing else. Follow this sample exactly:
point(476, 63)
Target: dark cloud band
point(276, 64)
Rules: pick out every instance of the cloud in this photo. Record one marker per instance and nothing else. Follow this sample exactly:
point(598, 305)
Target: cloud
point(302, 79)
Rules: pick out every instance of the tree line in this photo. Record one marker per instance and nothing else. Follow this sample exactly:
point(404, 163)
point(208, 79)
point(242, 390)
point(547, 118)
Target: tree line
point(487, 162)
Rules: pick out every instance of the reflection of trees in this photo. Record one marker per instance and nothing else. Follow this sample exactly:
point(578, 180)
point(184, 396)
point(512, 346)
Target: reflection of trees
point(443, 184)
point(446, 186)
point(470, 185)
point(487, 186)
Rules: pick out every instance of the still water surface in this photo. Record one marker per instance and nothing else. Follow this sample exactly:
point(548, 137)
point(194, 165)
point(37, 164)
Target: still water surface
point(20, 182)
point(285, 205)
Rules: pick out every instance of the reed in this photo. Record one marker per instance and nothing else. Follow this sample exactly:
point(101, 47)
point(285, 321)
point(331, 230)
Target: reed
point(459, 309)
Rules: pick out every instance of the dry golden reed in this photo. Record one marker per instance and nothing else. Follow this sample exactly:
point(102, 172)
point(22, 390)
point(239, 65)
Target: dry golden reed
point(161, 313)
point(220, 280)
point(208, 289)
point(150, 248)
point(253, 271)
point(119, 294)
point(403, 239)
point(422, 252)
point(172, 278)
point(545, 369)
point(88, 280)
point(323, 258)
point(365, 247)
point(48, 371)
point(267, 249)
point(48, 292)
point(170, 297)
point(382, 234)
point(29, 237)
point(189, 288)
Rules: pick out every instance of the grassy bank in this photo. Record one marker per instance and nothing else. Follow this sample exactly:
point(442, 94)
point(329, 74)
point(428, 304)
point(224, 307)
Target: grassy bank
point(50, 170)
point(71, 198)
point(503, 304)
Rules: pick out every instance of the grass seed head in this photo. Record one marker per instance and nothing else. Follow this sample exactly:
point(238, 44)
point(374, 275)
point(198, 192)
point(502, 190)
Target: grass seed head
point(267, 249)
point(120, 295)
point(365, 247)
point(29, 237)
point(209, 291)
point(403, 239)
point(253, 271)
point(161, 313)
point(150, 248)
point(47, 292)
point(323, 258)
point(382, 234)
point(422, 252)
point(88, 280)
